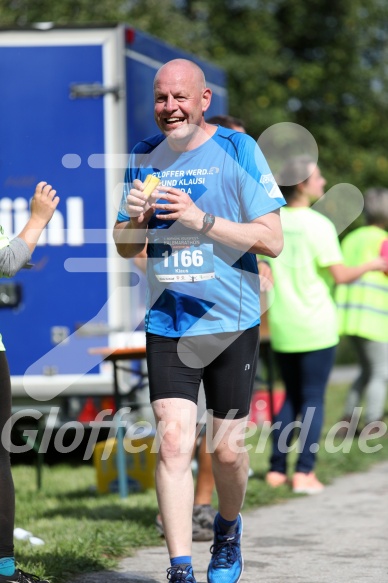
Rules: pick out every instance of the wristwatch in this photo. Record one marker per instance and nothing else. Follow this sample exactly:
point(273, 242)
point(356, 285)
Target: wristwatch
point(208, 222)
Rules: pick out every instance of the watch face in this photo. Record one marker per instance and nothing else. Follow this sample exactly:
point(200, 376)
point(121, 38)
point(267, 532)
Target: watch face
point(208, 222)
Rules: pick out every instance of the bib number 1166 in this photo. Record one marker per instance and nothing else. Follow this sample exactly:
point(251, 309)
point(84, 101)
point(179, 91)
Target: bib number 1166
point(185, 258)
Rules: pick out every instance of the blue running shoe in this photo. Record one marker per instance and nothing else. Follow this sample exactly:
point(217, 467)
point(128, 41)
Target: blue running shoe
point(226, 564)
point(181, 574)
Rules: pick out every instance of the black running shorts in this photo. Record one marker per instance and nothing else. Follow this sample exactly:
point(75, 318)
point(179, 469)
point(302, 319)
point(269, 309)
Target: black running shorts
point(225, 362)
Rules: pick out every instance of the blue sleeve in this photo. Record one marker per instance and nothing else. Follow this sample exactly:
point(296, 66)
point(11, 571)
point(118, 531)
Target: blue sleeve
point(122, 215)
point(259, 192)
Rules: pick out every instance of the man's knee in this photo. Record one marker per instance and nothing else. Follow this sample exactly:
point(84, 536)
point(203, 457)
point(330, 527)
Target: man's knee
point(229, 457)
point(174, 440)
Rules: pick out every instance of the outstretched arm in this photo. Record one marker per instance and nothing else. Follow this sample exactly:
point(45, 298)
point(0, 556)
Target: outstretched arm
point(43, 204)
point(18, 251)
point(346, 274)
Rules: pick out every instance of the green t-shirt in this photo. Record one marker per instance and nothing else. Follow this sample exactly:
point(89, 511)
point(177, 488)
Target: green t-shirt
point(363, 304)
point(302, 315)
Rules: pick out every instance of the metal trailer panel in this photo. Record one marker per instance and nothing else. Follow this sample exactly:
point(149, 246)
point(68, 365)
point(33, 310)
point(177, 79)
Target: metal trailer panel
point(47, 134)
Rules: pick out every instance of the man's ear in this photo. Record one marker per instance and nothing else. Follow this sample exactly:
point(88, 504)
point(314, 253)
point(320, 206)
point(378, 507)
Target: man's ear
point(206, 99)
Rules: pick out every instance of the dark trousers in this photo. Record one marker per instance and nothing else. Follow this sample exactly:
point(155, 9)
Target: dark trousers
point(305, 376)
point(7, 495)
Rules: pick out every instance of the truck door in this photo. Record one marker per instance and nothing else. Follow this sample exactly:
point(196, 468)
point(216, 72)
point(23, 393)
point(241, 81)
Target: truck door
point(48, 131)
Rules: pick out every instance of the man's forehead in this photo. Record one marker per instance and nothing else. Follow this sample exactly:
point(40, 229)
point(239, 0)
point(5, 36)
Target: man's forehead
point(184, 87)
point(173, 78)
point(172, 82)
point(179, 72)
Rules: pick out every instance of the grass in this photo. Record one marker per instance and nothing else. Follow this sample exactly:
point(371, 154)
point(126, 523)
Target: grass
point(85, 532)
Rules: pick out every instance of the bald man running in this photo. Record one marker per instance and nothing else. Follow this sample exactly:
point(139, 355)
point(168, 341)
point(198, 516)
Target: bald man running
point(216, 207)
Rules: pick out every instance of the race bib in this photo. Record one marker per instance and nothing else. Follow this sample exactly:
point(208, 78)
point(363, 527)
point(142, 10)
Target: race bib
point(184, 259)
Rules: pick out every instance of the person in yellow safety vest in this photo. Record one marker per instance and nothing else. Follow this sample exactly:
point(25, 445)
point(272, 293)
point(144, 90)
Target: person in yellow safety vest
point(363, 317)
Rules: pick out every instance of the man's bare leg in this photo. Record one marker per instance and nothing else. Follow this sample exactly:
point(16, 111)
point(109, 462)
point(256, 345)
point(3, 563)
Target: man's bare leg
point(176, 421)
point(230, 465)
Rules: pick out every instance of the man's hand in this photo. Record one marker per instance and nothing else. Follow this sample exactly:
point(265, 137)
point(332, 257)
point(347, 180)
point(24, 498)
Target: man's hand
point(140, 205)
point(180, 208)
point(130, 236)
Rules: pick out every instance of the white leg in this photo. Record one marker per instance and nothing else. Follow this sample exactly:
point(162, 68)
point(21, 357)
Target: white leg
point(176, 423)
point(230, 464)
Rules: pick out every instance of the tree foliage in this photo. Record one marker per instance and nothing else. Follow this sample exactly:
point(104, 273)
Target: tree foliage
point(319, 64)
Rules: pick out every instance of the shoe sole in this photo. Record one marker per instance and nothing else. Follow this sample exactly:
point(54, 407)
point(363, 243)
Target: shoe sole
point(310, 491)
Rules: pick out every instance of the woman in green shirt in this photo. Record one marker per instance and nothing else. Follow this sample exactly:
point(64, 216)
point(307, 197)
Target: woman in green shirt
point(303, 319)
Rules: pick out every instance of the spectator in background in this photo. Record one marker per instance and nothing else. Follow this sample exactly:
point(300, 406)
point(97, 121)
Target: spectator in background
point(228, 121)
point(303, 319)
point(14, 255)
point(363, 315)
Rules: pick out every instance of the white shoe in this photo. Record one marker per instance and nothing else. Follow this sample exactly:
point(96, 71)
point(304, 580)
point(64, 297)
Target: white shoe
point(306, 484)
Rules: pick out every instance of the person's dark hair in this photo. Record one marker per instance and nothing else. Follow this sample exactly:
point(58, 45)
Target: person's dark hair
point(376, 206)
point(295, 171)
point(226, 121)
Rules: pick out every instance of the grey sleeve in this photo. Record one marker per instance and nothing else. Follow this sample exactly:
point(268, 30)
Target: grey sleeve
point(13, 257)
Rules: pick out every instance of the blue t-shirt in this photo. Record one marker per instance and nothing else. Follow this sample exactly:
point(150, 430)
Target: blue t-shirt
point(197, 285)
